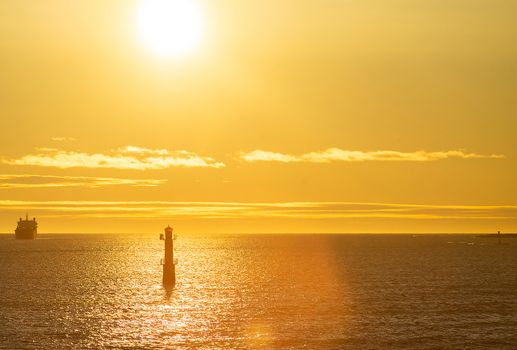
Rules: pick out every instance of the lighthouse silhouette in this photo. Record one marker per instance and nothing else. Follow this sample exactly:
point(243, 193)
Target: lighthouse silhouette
point(169, 263)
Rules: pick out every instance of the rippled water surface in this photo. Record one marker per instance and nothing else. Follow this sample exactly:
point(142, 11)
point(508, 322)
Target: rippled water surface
point(259, 292)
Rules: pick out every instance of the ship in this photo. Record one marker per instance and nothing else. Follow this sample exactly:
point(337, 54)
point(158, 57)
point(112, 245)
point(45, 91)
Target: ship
point(26, 229)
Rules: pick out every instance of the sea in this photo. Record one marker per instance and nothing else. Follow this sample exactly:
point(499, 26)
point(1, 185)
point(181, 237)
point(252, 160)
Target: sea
point(310, 291)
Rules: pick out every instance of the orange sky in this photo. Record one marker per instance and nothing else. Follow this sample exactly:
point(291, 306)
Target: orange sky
point(291, 116)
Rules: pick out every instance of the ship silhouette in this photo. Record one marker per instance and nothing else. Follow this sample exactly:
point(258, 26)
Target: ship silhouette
point(26, 229)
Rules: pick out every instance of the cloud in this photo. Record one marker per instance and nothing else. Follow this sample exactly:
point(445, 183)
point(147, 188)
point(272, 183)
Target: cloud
point(62, 138)
point(12, 181)
point(239, 210)
point(142, 150)
point(129, 157)
point(259, 155)
point(336, 154)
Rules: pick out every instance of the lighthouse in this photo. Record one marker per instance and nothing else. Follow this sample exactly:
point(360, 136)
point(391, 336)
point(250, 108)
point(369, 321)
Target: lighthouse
point(169, 268)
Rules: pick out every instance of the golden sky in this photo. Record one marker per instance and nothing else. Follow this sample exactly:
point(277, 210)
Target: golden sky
point(283, 116)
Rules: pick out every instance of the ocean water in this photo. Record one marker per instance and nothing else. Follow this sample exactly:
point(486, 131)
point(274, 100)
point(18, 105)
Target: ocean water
point(259, 292)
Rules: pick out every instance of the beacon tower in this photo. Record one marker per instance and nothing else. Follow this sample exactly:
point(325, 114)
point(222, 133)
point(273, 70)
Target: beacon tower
point(169, 263)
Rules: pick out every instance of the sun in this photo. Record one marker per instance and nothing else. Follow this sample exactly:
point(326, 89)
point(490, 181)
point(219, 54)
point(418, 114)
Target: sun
point(169, 27)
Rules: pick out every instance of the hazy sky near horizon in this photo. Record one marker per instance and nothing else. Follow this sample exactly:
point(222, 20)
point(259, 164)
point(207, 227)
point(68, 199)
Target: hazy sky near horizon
point(288, 116)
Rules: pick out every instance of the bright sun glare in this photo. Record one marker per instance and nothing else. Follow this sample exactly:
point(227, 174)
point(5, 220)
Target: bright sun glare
point(169, 27)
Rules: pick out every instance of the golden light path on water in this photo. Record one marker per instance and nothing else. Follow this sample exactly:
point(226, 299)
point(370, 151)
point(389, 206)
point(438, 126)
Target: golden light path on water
point(237, 272)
